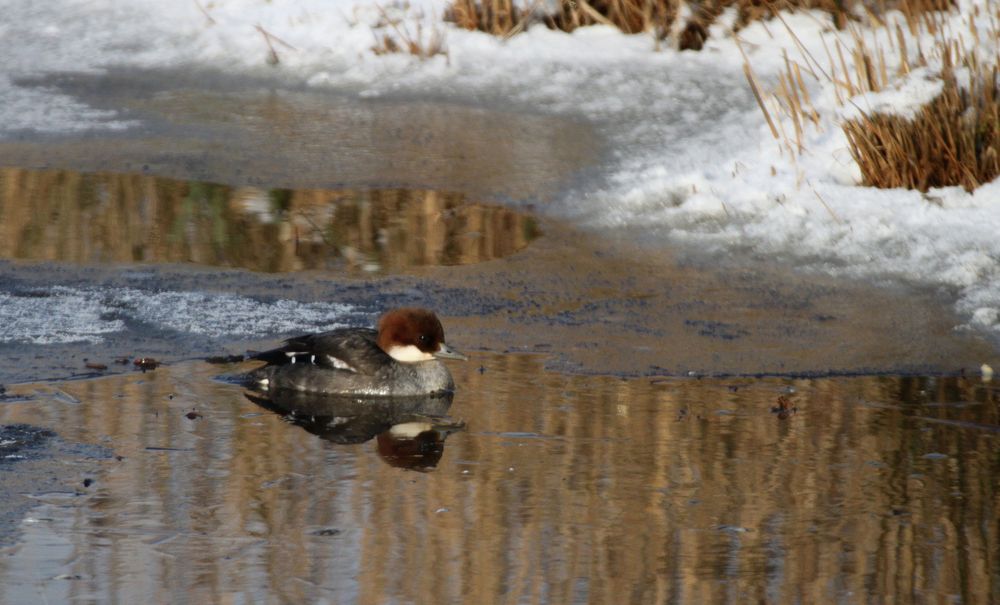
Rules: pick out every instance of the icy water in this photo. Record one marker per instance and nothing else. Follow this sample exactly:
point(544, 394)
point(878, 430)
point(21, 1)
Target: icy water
point(560, 489)
point(635, 425)
point(63, 215)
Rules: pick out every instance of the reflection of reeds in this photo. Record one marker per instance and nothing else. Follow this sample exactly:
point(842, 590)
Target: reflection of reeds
point(67, 216)
point(629, 489)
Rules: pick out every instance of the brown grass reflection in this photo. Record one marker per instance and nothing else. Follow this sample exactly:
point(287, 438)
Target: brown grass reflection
point(563, 489)
point(119, 218)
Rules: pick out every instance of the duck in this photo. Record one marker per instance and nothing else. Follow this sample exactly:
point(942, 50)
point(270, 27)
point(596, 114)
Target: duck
point(400, 358)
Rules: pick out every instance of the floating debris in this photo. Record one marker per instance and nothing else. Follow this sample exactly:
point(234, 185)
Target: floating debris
point(219, 359)
point(784, 409)
point(145, 363)
point(90, 365)
point(63, 397)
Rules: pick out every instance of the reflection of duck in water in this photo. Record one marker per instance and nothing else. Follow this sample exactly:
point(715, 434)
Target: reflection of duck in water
point(418, 444)
point(411, 430)
point(401, 358)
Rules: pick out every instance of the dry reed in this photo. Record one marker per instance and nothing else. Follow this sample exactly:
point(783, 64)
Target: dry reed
point(953, 140)
point(504, 18)
point(393, 36)
point(630, 16)
point(497, 17)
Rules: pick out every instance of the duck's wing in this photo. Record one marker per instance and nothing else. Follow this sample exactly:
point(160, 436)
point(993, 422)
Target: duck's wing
point(351, 349)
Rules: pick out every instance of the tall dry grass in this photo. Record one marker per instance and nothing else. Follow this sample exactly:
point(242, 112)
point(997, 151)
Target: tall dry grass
point(504, 18)
point(393, 35)
point(658, 17)
point(498, 17)
point(953, 140)
point(630, 16)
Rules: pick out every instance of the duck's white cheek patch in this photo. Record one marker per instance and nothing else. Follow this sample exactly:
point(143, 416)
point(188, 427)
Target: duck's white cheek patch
point(410, 430)
point(409, 354)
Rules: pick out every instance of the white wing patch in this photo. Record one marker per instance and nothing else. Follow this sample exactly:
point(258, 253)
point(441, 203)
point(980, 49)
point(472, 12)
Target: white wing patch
point(340, 364)
point(334, 362)
point(293, 354)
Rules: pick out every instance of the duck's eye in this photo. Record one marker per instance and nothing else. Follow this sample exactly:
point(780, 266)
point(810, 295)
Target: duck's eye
point(424, 339)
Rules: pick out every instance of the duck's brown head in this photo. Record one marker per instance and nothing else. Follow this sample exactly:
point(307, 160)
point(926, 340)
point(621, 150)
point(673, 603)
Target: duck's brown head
point(412, 335)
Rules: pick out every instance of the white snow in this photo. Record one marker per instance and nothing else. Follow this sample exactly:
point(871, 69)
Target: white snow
point(692, 157)
point(904, 98)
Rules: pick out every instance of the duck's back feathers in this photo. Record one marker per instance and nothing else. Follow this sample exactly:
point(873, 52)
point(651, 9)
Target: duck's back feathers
point(401, 359)
point(350, 349)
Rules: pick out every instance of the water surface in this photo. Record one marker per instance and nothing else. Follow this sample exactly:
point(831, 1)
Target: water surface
point(560, 489)
point(109, 218)
point(193, 124)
